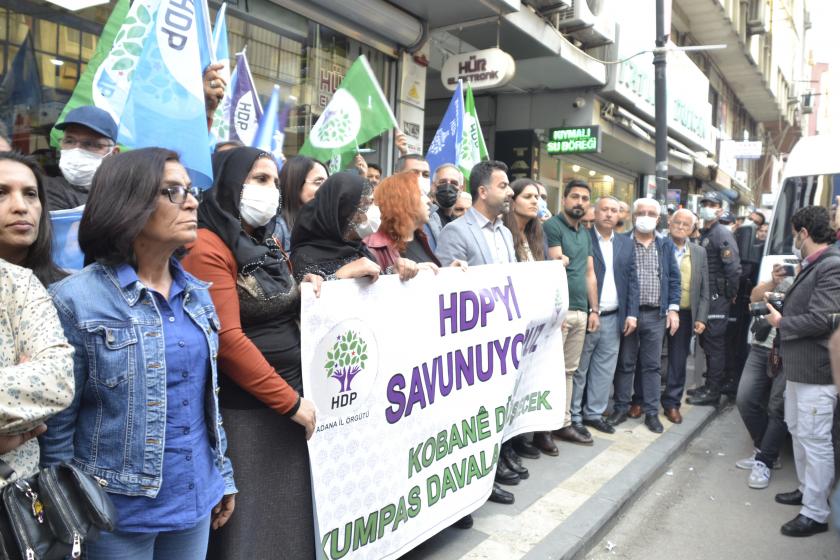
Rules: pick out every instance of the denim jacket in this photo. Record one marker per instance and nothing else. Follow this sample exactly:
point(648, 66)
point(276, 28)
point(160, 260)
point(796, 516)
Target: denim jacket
point(116, 426)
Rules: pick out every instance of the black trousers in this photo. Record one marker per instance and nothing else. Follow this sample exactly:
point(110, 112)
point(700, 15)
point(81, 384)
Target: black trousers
point(713, 340)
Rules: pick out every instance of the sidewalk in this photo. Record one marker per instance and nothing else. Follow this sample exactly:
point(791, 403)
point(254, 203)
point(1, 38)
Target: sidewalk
point(570, 500)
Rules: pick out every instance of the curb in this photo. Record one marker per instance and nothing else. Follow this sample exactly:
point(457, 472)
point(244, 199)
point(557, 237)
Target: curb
point(585, 527)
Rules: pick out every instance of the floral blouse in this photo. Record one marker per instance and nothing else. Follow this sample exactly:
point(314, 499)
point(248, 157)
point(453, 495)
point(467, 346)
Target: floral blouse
point(36, 363)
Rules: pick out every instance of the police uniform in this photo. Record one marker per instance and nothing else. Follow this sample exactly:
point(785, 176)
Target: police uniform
point(724, 273)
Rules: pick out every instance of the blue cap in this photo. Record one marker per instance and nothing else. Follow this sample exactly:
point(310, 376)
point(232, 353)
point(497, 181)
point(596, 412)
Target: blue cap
point(712, 196)
point(94, 118)
point(726, 218)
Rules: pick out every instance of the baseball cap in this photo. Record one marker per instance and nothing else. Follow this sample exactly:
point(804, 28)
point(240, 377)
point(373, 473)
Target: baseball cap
point(726, 218)
point(712, 196)
point(93, 118)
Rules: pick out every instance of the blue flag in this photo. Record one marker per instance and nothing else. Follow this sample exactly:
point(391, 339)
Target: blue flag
point(220, 128)
point(22, 85)
point(205, 32)
point(66, 251)
point(444, 146)
point(270, 134)
point(165, 105)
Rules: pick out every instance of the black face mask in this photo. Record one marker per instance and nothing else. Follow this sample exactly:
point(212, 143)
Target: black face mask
point(446, 195)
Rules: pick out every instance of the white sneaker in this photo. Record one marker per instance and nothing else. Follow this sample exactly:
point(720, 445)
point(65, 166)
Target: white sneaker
point(759, 477)
point(747, 464)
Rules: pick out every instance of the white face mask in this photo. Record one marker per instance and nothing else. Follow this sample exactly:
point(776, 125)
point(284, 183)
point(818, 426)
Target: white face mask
point(797, 251)
point(645, 224)
point(708, 213)
point(748, 223)
point(258, 204)
point(78, 166)
point(371, 225)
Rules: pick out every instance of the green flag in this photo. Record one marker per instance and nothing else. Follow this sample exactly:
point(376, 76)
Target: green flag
point(106, 79)
point(357, 112)
point(471, 148)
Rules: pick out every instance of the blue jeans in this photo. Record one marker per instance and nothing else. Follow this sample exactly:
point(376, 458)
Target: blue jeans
point(645, 347)
point(761, 403)
point(596, 370)
point(187, 544)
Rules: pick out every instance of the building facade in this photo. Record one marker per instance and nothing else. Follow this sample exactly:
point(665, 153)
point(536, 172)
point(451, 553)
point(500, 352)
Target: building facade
point(304, 46)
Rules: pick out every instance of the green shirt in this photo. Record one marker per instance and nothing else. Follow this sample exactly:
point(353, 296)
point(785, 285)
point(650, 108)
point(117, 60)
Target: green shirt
point(577, 245)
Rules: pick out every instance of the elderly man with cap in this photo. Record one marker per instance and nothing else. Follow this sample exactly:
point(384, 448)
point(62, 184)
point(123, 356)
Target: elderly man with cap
point(90, 134)
point(724, 273)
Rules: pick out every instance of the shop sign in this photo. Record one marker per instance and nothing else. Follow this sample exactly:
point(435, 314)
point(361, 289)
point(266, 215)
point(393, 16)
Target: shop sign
point(576, 140)
point(488, 68)
point(632, 82)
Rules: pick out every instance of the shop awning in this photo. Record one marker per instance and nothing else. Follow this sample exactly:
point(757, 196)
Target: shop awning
point(375, 22)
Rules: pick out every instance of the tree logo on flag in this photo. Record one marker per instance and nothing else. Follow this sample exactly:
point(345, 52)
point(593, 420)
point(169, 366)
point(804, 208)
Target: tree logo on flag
point(340, 123)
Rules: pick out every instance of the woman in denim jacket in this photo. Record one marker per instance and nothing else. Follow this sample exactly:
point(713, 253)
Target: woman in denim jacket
point(145, 419)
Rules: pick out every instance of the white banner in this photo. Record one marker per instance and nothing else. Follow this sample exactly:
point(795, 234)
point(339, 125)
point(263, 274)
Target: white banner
point(417, 384)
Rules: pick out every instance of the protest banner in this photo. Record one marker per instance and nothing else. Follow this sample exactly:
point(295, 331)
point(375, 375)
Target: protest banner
point(417, 384)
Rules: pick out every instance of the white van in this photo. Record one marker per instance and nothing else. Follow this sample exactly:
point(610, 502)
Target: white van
point(811, 177)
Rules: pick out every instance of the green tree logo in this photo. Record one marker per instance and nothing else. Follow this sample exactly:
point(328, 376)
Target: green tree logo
point(346, 359)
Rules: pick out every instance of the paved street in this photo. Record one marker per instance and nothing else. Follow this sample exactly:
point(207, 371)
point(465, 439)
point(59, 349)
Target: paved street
point(569, 499)
point(699, 507)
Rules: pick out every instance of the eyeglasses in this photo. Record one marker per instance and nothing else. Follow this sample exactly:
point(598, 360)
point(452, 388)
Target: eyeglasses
point(68, 143)
point(317, 182)
point(445, 183)
point(682, 225)
point(178, 193)
point(421, 172)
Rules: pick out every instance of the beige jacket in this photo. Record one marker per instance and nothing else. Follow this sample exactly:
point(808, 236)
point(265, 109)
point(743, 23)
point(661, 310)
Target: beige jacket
point(36, 363)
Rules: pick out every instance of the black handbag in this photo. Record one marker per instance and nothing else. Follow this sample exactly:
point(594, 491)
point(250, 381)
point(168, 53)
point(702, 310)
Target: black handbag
point(50, 515)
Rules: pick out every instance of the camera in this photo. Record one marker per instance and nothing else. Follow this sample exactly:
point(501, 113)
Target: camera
point(761, 327)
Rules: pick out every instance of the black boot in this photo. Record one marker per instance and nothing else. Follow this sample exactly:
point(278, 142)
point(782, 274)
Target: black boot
point(525, 448)
point(513, 461)
point(710, 397)
point(501, 496)
point(504, 475)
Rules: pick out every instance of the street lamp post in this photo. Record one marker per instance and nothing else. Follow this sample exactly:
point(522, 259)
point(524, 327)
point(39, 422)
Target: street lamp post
point(661, 103)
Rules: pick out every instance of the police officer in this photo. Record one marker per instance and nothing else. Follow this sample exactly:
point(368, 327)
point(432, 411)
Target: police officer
point(724, 273)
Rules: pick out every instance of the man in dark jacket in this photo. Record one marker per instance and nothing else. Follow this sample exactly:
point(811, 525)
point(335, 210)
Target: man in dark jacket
point(810, 396)
point(659, 305)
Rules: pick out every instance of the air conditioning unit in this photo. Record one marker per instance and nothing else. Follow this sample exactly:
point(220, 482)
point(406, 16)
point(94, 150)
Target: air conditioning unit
point(758, 17)
point(588, 21)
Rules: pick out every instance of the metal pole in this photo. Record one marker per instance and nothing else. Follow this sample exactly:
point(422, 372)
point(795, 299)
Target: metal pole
point(661, 103)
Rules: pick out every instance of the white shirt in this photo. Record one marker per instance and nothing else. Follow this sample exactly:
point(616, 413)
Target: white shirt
point(493, 237)
point(609, 293)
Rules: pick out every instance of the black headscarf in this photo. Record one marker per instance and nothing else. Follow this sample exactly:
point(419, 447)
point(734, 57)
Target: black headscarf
point(258, 255)
point(319, 235)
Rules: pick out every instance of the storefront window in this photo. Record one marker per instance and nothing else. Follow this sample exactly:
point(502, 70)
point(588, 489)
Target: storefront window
point(306, 59)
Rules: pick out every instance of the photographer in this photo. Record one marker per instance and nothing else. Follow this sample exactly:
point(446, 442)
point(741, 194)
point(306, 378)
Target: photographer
point(761, 391)
point(810, 396)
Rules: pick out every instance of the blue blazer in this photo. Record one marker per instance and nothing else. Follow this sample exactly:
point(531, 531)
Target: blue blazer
point(624, 271)
point(670, 280)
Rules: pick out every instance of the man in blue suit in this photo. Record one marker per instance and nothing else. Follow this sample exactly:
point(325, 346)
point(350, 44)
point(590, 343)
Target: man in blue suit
point(618, 293)
point(659, 306)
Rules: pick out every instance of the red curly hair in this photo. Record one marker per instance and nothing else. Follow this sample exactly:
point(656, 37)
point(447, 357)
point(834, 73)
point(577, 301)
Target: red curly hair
point(398, 199)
